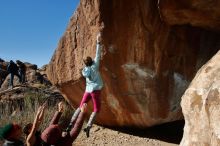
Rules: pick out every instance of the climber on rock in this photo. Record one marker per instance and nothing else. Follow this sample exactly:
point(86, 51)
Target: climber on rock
point(94, 85)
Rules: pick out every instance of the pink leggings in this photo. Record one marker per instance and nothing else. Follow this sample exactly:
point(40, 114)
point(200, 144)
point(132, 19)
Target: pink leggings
point(95, 95)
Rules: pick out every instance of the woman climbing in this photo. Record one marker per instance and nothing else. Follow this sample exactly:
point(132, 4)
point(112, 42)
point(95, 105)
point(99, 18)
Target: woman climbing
point(94, 85)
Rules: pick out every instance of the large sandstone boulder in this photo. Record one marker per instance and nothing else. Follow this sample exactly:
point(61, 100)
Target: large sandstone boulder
point(146, 65)
point(201, 107)
point(203, 13)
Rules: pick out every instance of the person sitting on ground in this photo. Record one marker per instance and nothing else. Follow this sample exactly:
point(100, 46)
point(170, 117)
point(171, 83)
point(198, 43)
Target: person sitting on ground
point(31, 130)
point(12, 68)
point(22, 71)
point(11, 133)
point(53, 135)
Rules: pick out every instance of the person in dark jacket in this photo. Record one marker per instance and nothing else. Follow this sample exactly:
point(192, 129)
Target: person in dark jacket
point(11, 133)
point(12, 68)
point(21, 70)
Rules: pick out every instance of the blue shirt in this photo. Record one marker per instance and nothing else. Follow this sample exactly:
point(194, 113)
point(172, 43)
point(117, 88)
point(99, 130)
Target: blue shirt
point(92, 74)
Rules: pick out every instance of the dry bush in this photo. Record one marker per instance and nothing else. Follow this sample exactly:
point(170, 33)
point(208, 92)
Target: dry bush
point(23, 111)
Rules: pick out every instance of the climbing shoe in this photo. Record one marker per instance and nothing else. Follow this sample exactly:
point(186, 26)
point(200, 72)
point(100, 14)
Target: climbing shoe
point(87, 130)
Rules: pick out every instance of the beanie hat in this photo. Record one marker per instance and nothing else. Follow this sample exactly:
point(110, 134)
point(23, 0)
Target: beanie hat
point(51, 134)
point(5, 131)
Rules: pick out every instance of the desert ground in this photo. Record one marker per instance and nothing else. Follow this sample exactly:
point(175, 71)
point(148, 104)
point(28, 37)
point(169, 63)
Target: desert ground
point(163, 135)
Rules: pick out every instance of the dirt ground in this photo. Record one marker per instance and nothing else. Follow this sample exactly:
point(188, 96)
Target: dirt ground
point(165, 135)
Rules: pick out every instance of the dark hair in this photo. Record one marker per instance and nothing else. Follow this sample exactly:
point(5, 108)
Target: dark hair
point(18, 62)
point(88, 61)
point(27, 128)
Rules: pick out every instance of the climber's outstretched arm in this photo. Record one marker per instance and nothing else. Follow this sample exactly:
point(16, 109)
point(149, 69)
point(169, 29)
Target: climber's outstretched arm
point(37, 121)
point(98, 50)
point(57, 114)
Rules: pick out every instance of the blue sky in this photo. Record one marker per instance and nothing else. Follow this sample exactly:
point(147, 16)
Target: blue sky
point(30, 29)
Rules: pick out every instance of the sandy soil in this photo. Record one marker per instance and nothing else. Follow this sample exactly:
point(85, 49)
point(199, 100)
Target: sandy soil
point(157, 136)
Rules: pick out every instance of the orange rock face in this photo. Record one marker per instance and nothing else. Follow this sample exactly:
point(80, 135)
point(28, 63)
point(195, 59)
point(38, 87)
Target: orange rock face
point(197, 13)
point(146, 64)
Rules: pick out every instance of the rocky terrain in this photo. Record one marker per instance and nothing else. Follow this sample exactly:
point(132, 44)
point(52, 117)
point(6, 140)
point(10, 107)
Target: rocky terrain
point(13, 102)
point(159, 63)
point(20, 103)
point(37, 89)
point(165, 135)
point(146, 64)
point(106, 137)
point(152, 50)
point(36, 86)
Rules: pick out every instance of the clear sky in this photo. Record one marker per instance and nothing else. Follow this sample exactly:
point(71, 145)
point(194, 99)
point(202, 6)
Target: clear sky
point(30, 29)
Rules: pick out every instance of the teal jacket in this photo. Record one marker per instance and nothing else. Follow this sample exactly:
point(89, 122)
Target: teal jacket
point(92, 74)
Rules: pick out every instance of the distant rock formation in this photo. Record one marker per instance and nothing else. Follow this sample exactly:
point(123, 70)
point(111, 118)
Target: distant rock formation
point(37, 88)
point(33, 75)
point(201, 106)
point(146, 63)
